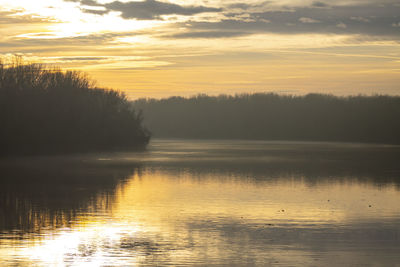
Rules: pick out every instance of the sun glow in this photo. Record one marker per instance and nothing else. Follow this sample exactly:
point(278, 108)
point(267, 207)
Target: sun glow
point(66, 19)
point(207, 52)
point(107, 24)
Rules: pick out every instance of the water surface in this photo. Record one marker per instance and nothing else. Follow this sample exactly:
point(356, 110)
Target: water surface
point(205, 202)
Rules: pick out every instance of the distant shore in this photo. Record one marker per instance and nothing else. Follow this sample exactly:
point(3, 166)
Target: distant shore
point(313, 117)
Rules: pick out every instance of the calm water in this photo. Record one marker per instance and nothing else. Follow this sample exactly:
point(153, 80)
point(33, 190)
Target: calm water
point(205, 202)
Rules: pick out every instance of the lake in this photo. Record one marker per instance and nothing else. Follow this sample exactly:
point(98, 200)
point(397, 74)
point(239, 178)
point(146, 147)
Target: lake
point(185, 202)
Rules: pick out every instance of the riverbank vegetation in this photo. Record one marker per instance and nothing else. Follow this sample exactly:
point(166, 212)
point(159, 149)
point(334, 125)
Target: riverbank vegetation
point(47, 110)
point(267, 116)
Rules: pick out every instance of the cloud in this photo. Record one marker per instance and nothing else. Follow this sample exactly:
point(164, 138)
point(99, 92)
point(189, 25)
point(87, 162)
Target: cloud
point(90, 3)
point(81, 58)
point(94, 11)
point(356, 19)
point(341, 25)
point(152, 9)
point(243, 18)
point(360, 19)
point(85, 2)
point(207, 34)
point(308, 20)
point(42, 43)
point(342, 17)
point(144, 10)
point(16, 17)
point(319, 4)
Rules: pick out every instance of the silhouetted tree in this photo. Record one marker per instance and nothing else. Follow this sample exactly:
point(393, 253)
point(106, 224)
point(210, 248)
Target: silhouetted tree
point(47, 110)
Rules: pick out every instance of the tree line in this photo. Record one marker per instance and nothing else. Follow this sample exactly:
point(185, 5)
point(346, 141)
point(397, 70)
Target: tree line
point(47, 110)
point(268, 116)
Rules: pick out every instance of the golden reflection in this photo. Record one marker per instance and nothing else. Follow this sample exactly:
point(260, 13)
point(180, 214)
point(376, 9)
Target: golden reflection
point(165, 214)
point(160, 198)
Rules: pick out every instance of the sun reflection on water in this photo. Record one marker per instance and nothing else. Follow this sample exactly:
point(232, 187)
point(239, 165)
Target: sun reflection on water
point(162, 214)
point(181, 216)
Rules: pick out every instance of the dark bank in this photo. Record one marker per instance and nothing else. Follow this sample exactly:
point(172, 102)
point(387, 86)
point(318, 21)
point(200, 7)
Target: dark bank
point(45, 110)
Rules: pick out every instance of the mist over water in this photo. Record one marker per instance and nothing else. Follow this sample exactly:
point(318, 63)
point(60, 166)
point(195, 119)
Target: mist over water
point(185, 202)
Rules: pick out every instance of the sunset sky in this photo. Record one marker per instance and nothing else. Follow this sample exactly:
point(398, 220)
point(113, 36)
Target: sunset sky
point(162, 48)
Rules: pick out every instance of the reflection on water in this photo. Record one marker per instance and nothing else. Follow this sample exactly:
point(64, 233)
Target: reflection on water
point(204, 202)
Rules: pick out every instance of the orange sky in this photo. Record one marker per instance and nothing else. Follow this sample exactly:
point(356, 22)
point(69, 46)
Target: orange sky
point(160, 48)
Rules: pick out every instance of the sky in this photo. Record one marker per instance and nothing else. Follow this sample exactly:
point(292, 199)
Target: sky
point(157, 48)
